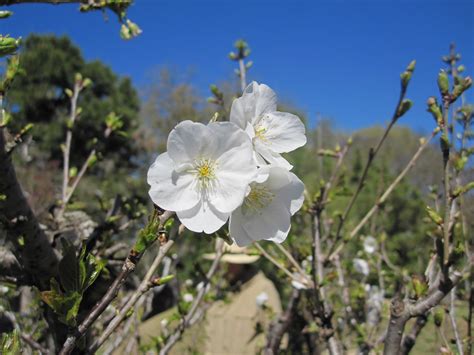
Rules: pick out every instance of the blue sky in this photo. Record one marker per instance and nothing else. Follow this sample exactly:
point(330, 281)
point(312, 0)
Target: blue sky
point(341, 59)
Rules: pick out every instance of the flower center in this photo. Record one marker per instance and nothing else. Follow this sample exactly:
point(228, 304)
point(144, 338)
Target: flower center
point(260, 133)
point(204, 170)
point(258, 198)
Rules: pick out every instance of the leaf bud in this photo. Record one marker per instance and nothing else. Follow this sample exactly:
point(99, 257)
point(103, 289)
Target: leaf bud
point(443, 83)
point(8, 45)
point(5, 14)
point(404, 107)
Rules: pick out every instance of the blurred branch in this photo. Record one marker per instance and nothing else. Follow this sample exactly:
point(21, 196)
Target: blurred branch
point(452, 318)
point(147, 283)
point(409, 340)
point(401, 108)
point(280, 327)
point(31, 245)
point(67, 145)
point(385, 195)
point(401, 311)
point(187, 319)
point(52, 2)
point(128, 267)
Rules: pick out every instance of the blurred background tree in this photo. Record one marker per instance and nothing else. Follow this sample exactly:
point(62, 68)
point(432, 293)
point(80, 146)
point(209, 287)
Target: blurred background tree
point(38, 96)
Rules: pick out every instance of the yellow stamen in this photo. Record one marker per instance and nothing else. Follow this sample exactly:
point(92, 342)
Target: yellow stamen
point(258, 198)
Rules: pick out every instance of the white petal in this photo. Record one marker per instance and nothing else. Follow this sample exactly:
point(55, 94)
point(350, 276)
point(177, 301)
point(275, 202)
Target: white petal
point(284, 132)
point(236, 169)
point(263, 172)
point(287, 187)
point(272, 223)
point(255, 101)
point(202, 218)
point(169, 189)
point(237, 232)
point(272, 157)
point(227, 136)
point(189, 140)
point(266, 101)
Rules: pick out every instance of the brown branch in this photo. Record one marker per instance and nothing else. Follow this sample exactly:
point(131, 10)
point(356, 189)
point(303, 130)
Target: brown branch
point(401, 312)
point(31, 245)
point(67, 145)
point(146, 284)
point(280, 327)
point(51, 2)
point(409, 340)
point(385, 195)
point(371, 156)
point(186, 320)
point(127, 268)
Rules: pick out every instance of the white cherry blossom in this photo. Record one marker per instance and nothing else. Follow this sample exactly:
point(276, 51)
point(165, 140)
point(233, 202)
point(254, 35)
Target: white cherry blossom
point(272, 132)
point(274, 197)
point(261, 299)
point(370, 244)
point(361, 266)
point(188, 297)
point(204, 175)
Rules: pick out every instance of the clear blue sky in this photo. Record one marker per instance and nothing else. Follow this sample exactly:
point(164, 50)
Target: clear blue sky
point(339, 58)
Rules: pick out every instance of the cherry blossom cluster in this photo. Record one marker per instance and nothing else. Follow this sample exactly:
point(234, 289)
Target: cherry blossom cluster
point(233, 171)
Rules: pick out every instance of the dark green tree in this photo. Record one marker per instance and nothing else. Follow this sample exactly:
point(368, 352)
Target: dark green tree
point(49, 65)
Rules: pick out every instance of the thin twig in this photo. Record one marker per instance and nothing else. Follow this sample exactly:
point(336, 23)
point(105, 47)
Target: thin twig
point(291, 259)
point(146, 284)
point(273, 261)
point(371, 156)
point(452, 317)
point(127, 268)
point(186, 320)
point(67, 144)
point(385, 195)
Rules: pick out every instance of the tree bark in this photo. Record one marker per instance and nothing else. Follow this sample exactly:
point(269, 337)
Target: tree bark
point(409, 340)
point(31, 246)
point(398, 319)
point(279, 328)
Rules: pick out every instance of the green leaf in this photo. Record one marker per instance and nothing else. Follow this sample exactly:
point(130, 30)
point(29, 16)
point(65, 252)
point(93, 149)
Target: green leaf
point(10, 343)
point(435, 217)
point(69, 268)
point(65, 305)
point(94, 268)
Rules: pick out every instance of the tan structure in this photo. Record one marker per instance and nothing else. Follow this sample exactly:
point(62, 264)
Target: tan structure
point(228, 327)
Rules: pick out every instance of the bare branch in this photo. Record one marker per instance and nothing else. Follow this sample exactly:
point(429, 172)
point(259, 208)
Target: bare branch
point(385, 195)
point(145, 285)
point(127, 268)
point(186, 321)
point(32, 247)
point(280, 327)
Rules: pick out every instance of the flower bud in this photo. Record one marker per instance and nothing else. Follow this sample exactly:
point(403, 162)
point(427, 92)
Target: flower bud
point(438, 317)
point(87, 82)
point(125, 32)
point(73, 172)
point(406, 75)
point(404, 107)
point(435, 110)
point(443, 83)
point(8, 45)
point(5, 14)
point(434, 216)
point(78, 78)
